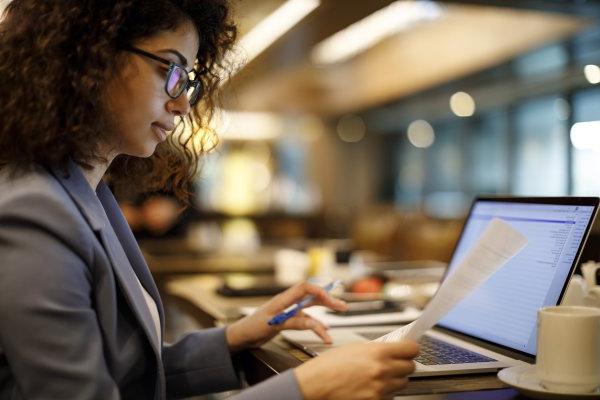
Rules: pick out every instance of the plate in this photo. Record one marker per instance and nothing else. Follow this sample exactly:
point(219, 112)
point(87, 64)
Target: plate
point(526, 381)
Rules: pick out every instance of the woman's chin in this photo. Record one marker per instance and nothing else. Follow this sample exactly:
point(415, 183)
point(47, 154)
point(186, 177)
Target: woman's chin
point(144, 152)
point(150, 151)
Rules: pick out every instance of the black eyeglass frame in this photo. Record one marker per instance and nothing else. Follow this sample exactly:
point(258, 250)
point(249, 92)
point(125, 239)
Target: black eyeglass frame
point(195, 83)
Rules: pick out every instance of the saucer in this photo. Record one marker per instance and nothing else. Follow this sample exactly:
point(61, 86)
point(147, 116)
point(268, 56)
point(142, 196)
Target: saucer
point(525, 380)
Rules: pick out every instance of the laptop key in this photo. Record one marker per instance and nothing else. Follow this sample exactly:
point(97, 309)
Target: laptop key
point(437, 352)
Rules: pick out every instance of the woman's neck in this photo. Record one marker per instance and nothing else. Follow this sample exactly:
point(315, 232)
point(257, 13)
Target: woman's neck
point(99, 168)
point(94, 175)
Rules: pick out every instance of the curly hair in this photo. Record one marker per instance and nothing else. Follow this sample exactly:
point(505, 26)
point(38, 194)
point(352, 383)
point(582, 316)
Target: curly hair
point(56, 57)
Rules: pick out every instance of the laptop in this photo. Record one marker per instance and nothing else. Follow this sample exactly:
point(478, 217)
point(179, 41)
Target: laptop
point(495, 326)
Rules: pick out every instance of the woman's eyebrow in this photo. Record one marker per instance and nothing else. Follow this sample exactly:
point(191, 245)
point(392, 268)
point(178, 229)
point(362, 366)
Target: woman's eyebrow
point(182, 59)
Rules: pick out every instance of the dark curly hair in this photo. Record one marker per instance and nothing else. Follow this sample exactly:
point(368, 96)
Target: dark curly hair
point(56, 57)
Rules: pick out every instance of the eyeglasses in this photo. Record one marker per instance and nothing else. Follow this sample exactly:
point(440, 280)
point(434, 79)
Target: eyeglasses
point(178, 79)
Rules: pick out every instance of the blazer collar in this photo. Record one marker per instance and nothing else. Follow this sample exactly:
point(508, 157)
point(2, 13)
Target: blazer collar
point(82, 194)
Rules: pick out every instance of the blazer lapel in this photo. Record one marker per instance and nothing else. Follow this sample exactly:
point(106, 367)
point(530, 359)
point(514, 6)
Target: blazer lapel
point(130, 246)
point(82, 194)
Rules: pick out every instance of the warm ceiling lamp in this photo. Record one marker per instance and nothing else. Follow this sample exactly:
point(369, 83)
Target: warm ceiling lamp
point(275, 25)
point(356, 38)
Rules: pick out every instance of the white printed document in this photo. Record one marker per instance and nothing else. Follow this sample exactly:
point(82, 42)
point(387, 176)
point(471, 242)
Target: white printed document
point(321, 313)
point(498, 243)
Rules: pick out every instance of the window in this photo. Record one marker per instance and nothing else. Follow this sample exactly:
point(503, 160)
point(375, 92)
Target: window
point(586, 162)
point(411, 175)
point(445, 197)
point(487, 172)
point(546, 60)
point(585, 46)
point(540, 148)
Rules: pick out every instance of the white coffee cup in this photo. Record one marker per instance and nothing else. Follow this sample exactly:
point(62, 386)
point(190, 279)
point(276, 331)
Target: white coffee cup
point(568, 349)
point(592, 298)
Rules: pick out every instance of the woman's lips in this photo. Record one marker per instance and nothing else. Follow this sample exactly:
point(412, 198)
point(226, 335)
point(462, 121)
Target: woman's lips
point(160, 131)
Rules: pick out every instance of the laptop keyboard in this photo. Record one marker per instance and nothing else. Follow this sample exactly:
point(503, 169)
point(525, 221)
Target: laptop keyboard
point(438, 352)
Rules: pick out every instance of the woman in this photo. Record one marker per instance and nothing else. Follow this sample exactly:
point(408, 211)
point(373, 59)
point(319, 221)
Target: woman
point(89, 90)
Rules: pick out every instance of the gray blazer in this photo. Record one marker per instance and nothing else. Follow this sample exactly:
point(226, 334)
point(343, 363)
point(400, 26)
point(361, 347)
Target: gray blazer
point(73, 321)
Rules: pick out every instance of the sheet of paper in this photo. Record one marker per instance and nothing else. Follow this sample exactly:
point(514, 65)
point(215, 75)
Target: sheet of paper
point(400, 317)
point(498, 243)
point(318, 312)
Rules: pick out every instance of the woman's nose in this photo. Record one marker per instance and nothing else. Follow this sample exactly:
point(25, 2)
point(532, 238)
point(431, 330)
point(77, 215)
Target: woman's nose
point(179, 106)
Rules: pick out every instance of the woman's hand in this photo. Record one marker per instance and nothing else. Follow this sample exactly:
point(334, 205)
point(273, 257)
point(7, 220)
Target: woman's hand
point(255, 330)
point(358, 371)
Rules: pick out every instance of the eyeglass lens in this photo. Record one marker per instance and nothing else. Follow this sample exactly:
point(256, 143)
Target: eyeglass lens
point(177, 82)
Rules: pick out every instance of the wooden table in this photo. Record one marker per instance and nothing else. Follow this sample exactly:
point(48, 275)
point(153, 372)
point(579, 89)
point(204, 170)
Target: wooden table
point(174, 256)
point(197, 294)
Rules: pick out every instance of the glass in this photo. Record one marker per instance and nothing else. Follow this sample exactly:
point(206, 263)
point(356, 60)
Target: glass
point(444, 186)
point(178, 79)
point(586, 161)
point(585, 46)
point(444, 165)
point(410, 182)
point(540, 163)
point(487, 155)
point(549, 59)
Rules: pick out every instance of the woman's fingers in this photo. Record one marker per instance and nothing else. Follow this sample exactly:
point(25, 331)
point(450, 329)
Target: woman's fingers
point(287, 298)
point(400, 368)
point(368, 370)
point(404, 350)
point(299, 291)
point(395, 385)
point(330, 302)
point(303, 322)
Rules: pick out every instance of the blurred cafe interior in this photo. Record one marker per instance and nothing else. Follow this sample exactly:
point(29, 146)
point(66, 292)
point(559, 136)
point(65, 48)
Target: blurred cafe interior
point(353, 136)
point(349, 142)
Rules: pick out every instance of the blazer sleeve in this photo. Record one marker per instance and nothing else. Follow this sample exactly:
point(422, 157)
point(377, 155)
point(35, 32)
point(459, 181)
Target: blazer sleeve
point(201, 363)
point(281, 387)
point(49, 332)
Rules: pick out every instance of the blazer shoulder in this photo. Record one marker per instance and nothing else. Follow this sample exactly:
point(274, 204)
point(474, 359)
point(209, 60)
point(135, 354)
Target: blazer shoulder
point(37, 183)
point(37, 200)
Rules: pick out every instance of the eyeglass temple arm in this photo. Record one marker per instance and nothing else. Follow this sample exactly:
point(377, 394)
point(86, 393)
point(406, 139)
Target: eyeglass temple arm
point(149, 55)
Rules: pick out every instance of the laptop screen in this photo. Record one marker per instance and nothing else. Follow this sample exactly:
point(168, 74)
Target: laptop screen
point(503, 309)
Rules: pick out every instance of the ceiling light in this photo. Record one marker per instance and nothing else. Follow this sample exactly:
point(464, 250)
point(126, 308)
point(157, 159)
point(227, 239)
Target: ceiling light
point(462, 104)
point(358, 37)
point(586, 135)
point(592, 73)
point(420, 134)
point(275, 25)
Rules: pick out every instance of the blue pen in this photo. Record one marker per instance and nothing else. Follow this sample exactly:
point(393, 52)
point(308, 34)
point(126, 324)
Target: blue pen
point(293, 310)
